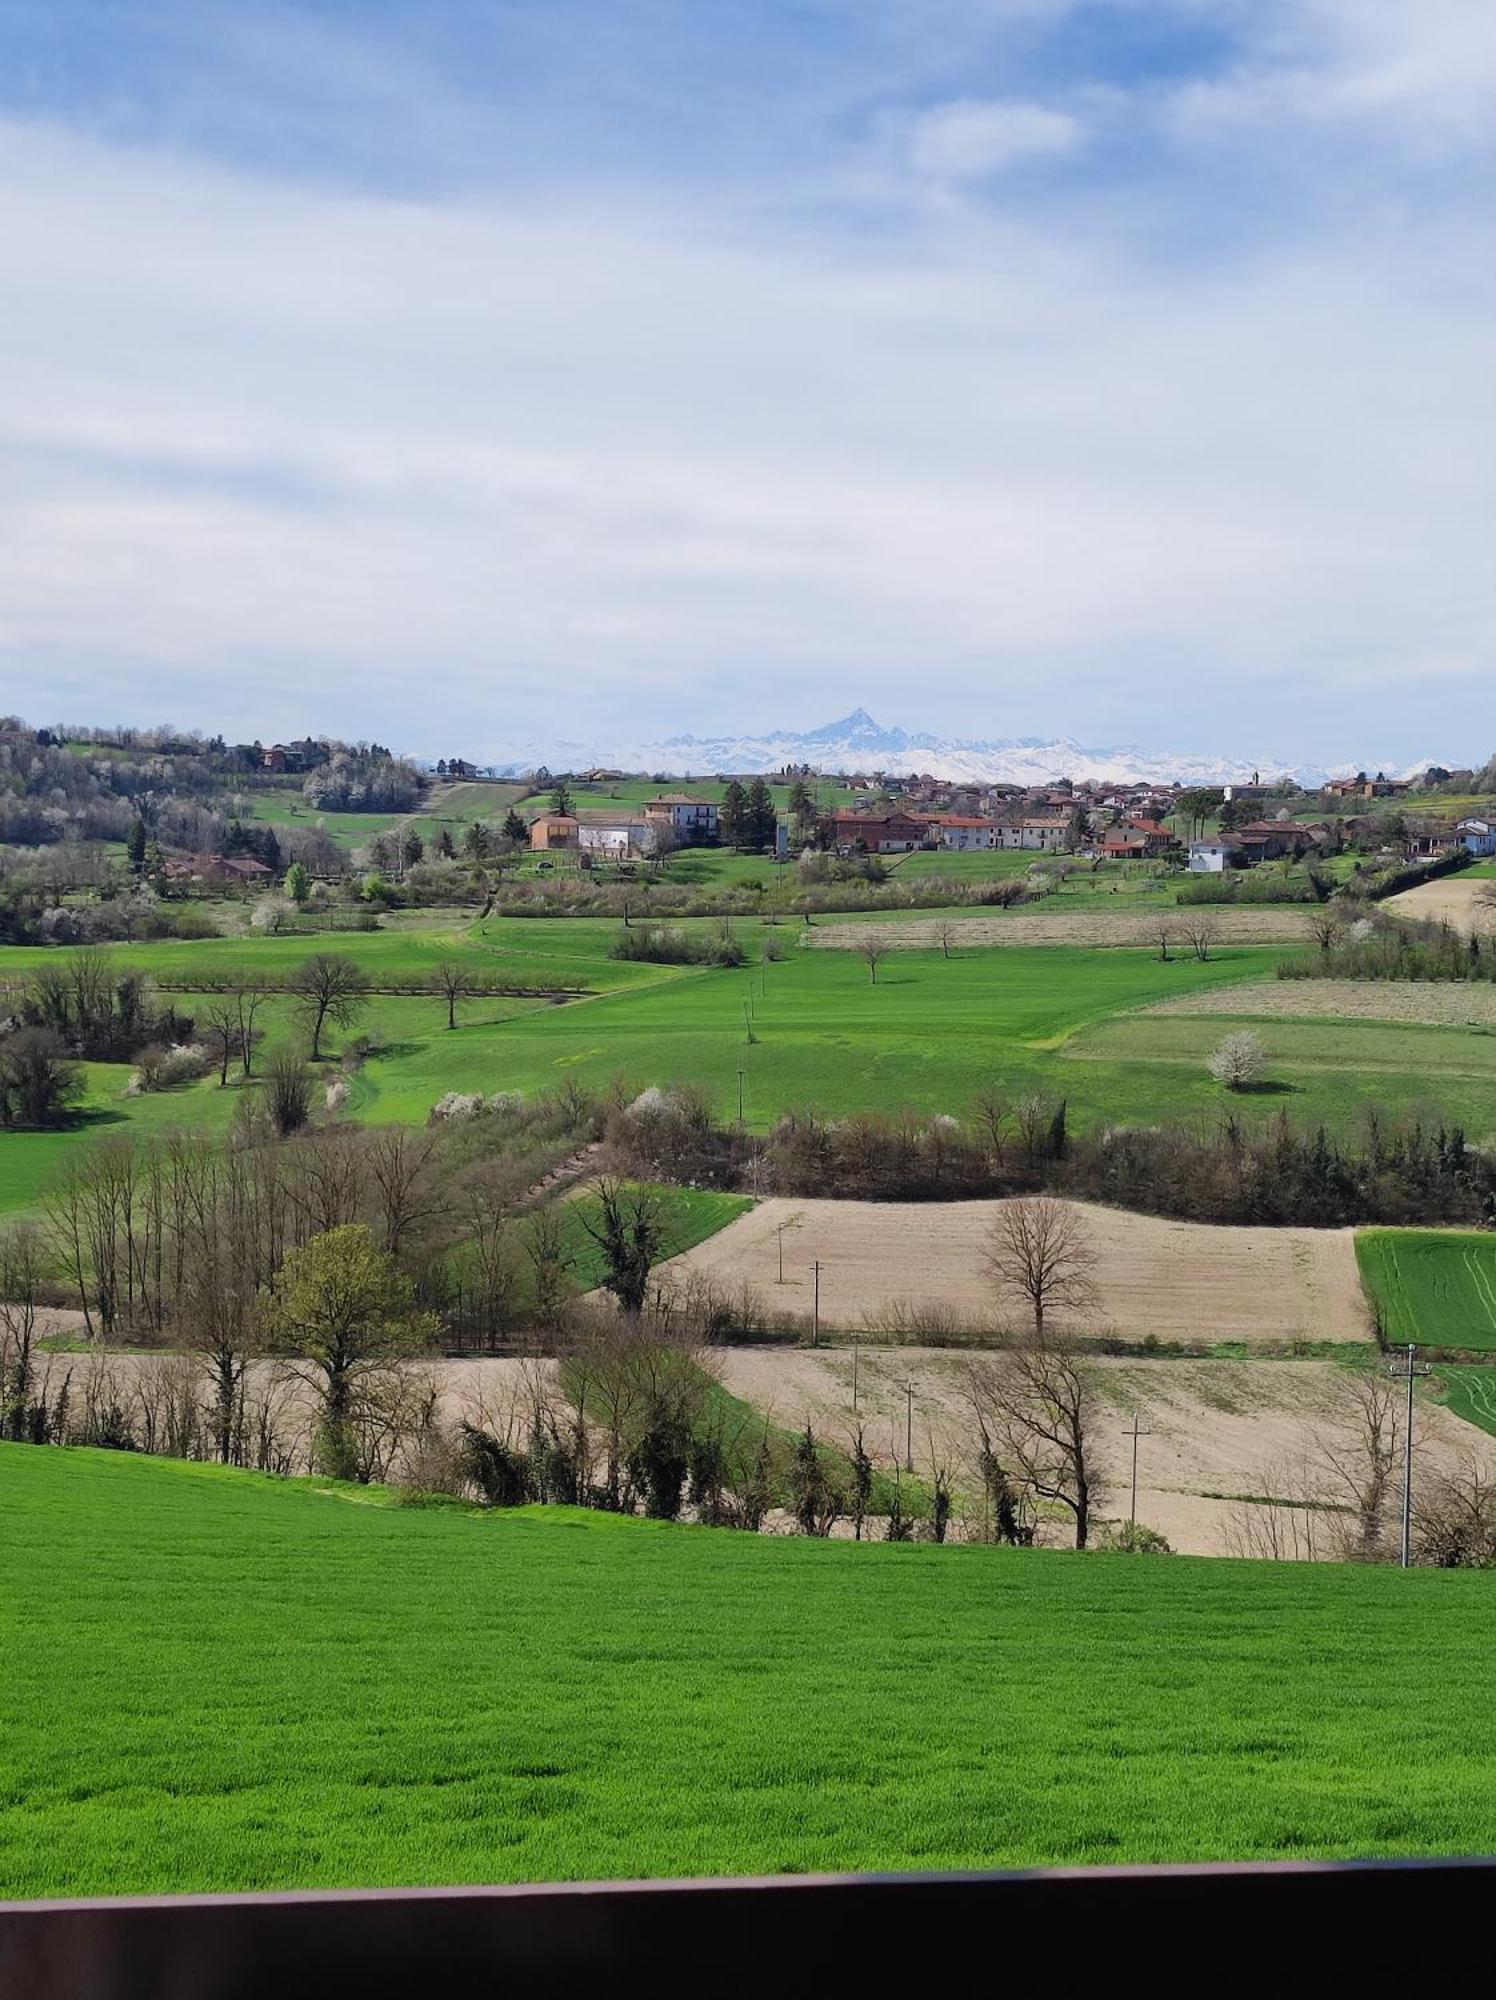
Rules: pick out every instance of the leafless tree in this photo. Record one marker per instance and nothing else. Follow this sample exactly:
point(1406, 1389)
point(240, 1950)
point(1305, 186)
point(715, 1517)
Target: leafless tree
point(1201, 932)
point(992, 1112)
point(218, 1024)
point(454, 982)
point(404, 1187)
point(1286, 1521)
point(1327, 928)
point(248, 1000)
point(1455, 1523)
point(1041, 1248)
point(872, 950)
point(945, 931)
point(1160, 930)
point(23, 1266)
point(550, 1263)
point(328, 987)
point(1037, 1406)
point(1360, 1457)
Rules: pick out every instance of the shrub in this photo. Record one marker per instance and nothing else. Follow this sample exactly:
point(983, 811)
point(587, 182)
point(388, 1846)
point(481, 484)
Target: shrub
point(158, 1067)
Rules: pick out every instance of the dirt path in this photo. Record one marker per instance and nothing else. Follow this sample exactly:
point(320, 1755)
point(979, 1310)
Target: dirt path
point(1175, 1280)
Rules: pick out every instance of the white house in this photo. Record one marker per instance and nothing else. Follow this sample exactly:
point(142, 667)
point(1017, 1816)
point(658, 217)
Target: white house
point(615, 839)
point(964, 833)
point(1041, 836)
point(1211, 857)
point(1479, 835)
point(689, 819)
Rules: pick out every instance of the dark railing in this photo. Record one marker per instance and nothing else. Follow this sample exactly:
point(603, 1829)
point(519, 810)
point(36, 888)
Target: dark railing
point(1266, 1929)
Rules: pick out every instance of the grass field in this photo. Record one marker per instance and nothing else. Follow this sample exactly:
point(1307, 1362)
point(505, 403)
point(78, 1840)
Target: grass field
point(927, 1036)
point(1436, 1287)
point(216, 1681)
point(1471, 1394)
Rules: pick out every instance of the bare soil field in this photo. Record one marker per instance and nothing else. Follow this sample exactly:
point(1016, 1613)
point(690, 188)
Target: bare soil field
point(1225, 1439)
point(1414, 1002)
point(1271, 924)
point(1452, 900)
point(883, 1263)
point(1230, 1449)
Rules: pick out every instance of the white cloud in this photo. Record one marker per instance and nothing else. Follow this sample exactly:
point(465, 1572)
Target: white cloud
point(280, 459)
point(968, 140)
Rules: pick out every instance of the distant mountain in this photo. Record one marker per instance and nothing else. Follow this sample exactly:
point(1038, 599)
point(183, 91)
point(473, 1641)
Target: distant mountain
point(857, 743)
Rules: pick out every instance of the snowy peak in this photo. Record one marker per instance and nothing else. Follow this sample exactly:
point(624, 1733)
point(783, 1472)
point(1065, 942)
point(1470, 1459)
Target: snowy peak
point(857, 744)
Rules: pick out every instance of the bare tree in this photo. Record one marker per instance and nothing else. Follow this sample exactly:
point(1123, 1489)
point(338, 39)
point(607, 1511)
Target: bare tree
point(1160, 930)
point(404, 1186)
point(1360, 1460)
point(1201, 932)
point(872, 950)
point(992, 1112)
point(1455, 1526)
point(945, 931)
point(550, 1264)
point(328, 988)
point(454, 982)
point(218, 1025)
point(1327, 928)
point(1037, 1408)
point(248, 1001)
point(1042, 1248)
point(23, 1267)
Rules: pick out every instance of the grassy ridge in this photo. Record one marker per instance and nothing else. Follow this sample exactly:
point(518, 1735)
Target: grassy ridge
point(1434, 1286)
point(217, 1682)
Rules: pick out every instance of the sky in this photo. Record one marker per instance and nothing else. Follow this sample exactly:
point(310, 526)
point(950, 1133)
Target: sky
point(474, 373)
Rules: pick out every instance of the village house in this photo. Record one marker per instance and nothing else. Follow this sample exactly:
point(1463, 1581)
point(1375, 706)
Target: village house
point(1155, 836)
point(1214, 857)
point(226, 870)
point(1479, 835)
point(964, 833)
point(555, 833)
point(613, 836)
point(1427, 840)
point(1034, 833)
point(878, 833)
point(691, 820)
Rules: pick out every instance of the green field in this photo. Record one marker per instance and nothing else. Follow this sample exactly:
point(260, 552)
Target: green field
point(217, 1681)
point(928, 1036)
point(1471, 1394)
point(1436, 1287)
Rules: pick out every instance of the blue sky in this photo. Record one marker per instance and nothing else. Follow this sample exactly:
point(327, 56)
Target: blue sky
point(482, 373)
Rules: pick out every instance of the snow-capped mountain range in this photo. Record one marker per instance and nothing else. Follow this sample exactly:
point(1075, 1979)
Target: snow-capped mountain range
point(857, 744)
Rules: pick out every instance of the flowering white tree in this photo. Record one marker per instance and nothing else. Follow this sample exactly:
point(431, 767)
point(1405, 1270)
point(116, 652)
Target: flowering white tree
point(1239, 1061)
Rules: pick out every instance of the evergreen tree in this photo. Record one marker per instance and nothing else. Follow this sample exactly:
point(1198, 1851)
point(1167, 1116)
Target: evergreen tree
point(732, 815)
point(135, 845)
point(561, 802)
point(444, 845)
point(761, 816)
point(476, 844)
point(413, 848)
point(515, 828)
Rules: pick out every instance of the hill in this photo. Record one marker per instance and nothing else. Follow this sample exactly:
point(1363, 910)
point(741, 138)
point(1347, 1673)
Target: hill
point(217, 1681)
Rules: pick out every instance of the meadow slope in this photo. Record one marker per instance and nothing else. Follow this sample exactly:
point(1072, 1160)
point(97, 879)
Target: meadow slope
point(220, 1682)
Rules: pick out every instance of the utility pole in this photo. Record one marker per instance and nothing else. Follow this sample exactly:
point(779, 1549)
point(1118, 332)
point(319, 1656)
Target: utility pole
point(740, 1099)
point(909, 1427)
point(815, 1322)
point(1409, 1371)
point(1138, 1430)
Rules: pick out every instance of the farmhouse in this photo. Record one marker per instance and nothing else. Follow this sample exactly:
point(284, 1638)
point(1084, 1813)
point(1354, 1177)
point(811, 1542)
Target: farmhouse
point(1271, 839)
point(221, 868)
point(690, 819)
point(1039, 834)
point(555, 833)
point(1479, 835)
point(1428, 839)
point(1213, 857)
point(964, 833)
point(872, 833)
